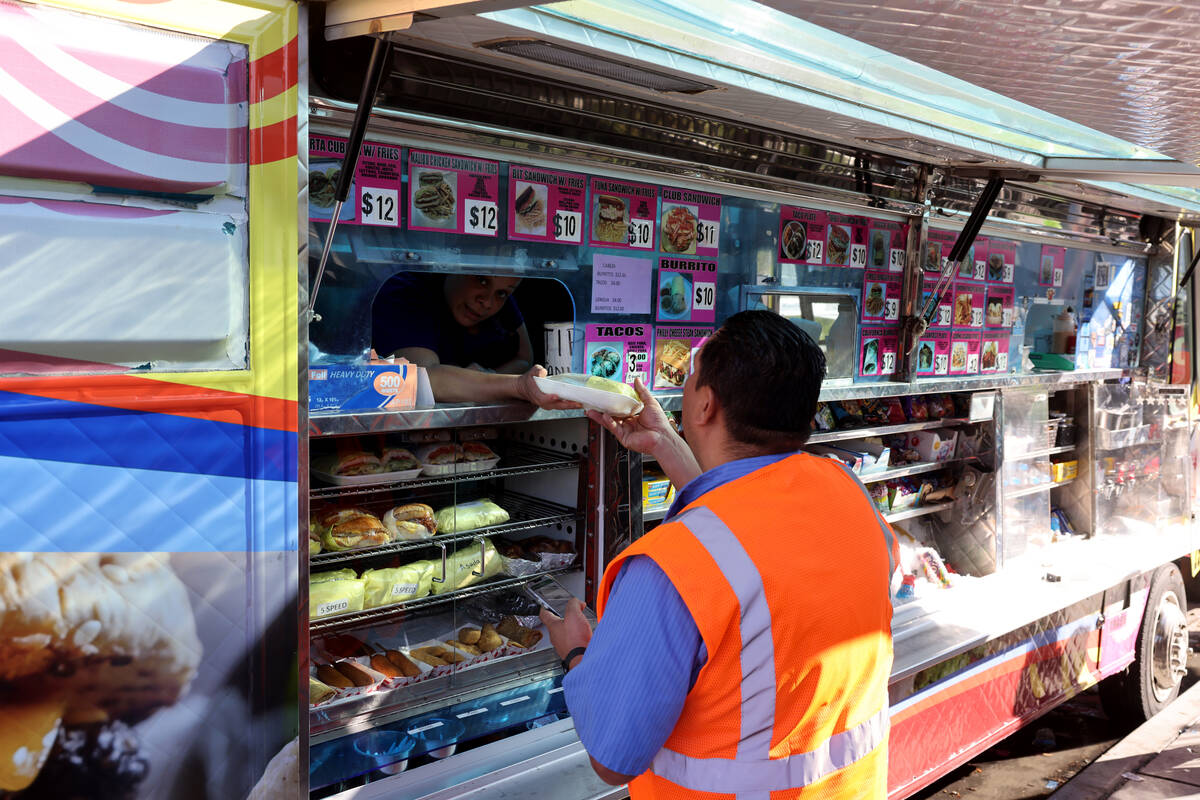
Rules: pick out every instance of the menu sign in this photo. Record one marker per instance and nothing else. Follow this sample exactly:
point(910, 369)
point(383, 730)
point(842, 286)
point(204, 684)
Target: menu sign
point(802, 234)
point(618, 352)
point(937, 250)
point(881, 296)
point(877, 351)
point(375, 192)
point(969, 300)
point(994, 352)
point(846, 242)
point(974, 264)
point(687, 290)
point(933, 353)
point(673, 352)
point(453, 194)
point(621, 284)
point(691, 222)
point(1050, 270)
point(999, 310)
point(623, 214)
point(887, 242)
point(546, 206)
point(964, 352)
point(1001, 260)
point(944, 313)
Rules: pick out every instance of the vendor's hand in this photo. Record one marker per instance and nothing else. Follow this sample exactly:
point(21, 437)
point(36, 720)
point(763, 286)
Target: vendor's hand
point(530, 393)
point(644, 433)
point(570, 631)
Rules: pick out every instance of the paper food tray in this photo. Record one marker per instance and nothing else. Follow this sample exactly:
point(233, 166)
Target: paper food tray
point(341, 695)
point(597, 399)
point(459, 467)
point(366, 480)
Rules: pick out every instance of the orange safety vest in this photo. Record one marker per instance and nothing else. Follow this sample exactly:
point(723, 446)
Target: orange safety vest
point(786, 572)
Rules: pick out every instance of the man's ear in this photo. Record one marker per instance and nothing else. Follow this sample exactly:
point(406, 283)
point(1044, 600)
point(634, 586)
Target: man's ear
point(704, 409)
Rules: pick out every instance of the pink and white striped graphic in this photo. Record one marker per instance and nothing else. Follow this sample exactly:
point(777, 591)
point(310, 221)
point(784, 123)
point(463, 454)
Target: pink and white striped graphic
point(117, 105)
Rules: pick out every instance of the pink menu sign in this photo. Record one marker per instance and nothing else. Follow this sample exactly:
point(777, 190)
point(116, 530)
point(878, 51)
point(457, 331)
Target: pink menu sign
point(453, 194)
point(623, 214)
point(691, 222)
point(877, 351)
point(802, 234)
point(933, 353)
point(375, 193)
point(545, 205)
point(1050, 269)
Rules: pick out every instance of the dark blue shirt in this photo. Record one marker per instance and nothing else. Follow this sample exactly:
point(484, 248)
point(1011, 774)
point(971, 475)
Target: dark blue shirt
point(410, 310)
point(627, 692)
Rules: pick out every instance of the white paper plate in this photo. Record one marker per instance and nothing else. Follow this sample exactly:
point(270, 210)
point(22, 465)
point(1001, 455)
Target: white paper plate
point(363, 480)
point(597, 399)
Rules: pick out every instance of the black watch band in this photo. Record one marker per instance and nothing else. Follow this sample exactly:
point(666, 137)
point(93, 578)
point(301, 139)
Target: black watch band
point(566, 662)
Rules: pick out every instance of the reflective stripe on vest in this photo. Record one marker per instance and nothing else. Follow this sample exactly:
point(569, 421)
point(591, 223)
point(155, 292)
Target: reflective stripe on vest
point(753, 770)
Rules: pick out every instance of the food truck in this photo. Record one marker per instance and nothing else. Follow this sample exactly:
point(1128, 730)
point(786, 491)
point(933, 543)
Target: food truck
point(246, 553)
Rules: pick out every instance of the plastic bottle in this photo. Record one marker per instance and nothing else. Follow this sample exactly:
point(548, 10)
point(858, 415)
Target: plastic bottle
point(1063, 340)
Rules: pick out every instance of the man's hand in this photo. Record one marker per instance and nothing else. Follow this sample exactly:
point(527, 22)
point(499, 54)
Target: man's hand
point(645, 433)
point(530, 392)
point(570, 631)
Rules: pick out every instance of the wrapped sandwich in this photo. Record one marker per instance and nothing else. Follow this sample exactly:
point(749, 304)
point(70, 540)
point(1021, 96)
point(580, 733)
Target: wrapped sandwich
point(350, 462)
point(351, 528)
point(314, 536)
point(470, 516)
point(385, 587)
point(410, 521)
point(461, 568)
point(346, 574)
point(327, 598)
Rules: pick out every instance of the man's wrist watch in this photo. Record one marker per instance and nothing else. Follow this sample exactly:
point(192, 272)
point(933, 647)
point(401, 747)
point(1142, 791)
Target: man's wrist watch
point(571, 656)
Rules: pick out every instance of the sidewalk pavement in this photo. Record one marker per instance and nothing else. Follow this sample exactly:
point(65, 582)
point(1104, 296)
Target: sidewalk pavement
point(1157, 761)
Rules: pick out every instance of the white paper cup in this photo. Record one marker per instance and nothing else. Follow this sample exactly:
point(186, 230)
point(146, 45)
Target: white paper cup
point(560, 347)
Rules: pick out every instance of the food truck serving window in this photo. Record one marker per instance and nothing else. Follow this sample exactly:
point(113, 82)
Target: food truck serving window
point(123, 175)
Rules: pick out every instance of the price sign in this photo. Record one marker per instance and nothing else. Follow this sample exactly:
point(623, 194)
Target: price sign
point(1058, 276)
point(976, 317)
point(641, 234)
point(891, 309)
point(858, 256)
point(942, 364)
point(482, 218)
point(708, 234)
point(896, 260)
point(1009, 272)
point(545, 205)
point(568, 226)
point(973, 363)
point(943, 315)
point(687, 290)
point(1007, 316)
point(980, 270)
point(706, 297)
point(889, 363)
point(815, 252)
point(378, 207)
point(1002, 360)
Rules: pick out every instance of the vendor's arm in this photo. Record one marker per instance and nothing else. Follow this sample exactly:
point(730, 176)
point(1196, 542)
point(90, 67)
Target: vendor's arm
point(626, 692)
point(451, 384)
point(651, 433)
point(523, 360)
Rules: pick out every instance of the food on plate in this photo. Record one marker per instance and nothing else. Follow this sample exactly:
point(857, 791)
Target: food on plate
point(402, 662)
point(477, 451)
point(995, 312)
point(329, 598)
point(616, 387)
point(962, 309)
point(355, 462)
point(489, 639)
point(421, 654)
point(356, 672)
point(988, 359)
point(874, 301)
point(793, 240)
point(463, 647)
point(838, 245)
point(410, 521)
point(329, 675)
point(352, 528)
point(434, 198)
point(610, 219)
point(90, 643)
point(925, 357)
point(322, 187)
point(995, 267)
point(469, 635)
point(679, 230)
point(879, 250)
point(958, 355)
point(391, 585)
point(517, 633)
point(673, 295)
point(398, 459)
point(440, 454)
point(605, 362)
point(470, 516)
point(384, 666)
point(463, 569)
point(318, 692)
point(671, 367)
point(531, 211)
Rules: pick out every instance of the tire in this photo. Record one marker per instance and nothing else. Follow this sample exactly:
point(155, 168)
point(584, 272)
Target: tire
point(1151, 682)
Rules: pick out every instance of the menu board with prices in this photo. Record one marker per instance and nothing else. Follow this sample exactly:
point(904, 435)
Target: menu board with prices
point(1050, 269)
point(1001, 260)
point(993, 355)
point(375, 193)
point(964, 352)
point(846, 241)
point(621, 284)
point(623, 214)
point(973, 266)
point(674, 348)
point(546, 205)
point(944, 314)
point(877, 351)
point(998, 313)
point(938, 245)
point(933, 353)
point(886, 245)
point(618, 352)
point(687, 290)
point(881, 296)
point(691, 222)
point(802, 234)
point(453, 194)
point(969, 298)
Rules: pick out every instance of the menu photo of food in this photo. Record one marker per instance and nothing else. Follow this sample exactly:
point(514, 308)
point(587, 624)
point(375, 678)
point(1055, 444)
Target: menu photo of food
point(995, 313)
point(322, 189)
point(433, 198)
point(925, 356)
point(679, 227)
point(870, 362)
point(530, 208)
point(995, 267)
point(604, 360)
point(881, 245)
point(793, 240)
point(873, 304)
point(672, 363)
point(987, 361)
point(962, 308)
point(1046, 275)
point(610, 219)
point(933, 257)
point(838, 245)
point(958, 356)
point(674, 296)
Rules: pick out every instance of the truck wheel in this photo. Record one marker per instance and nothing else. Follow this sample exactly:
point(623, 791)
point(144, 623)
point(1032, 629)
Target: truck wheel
point(1147, 685)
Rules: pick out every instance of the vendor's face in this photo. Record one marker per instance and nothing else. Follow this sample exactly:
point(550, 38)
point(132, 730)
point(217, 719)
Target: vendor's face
point(475, 298)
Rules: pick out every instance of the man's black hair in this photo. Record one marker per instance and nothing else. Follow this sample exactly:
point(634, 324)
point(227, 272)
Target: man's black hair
point(766, 374)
